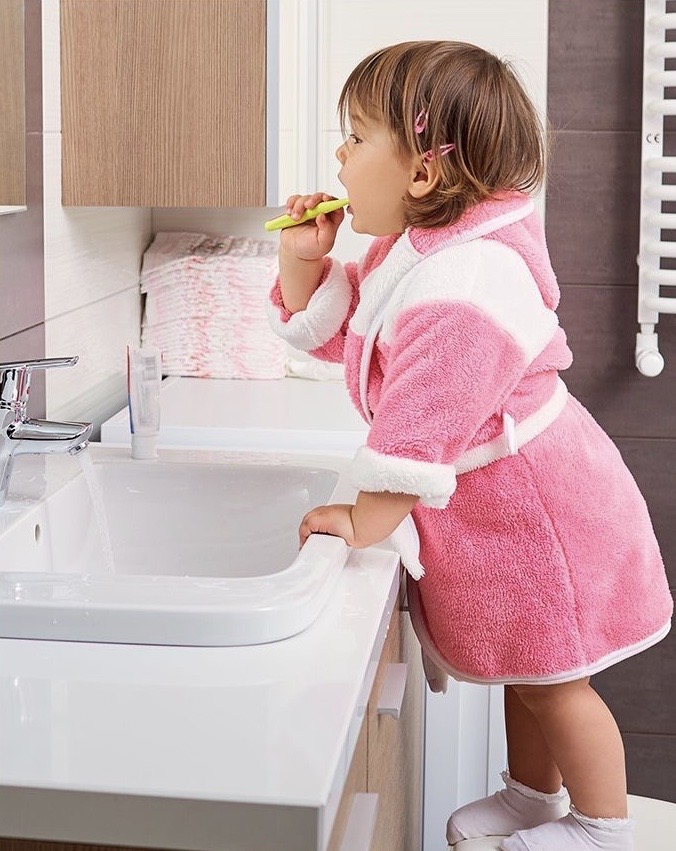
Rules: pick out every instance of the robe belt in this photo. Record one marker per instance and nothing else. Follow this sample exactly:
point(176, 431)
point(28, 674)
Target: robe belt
point(514, 435)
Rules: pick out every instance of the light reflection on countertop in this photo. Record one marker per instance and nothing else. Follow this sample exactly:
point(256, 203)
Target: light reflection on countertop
point(269, 724)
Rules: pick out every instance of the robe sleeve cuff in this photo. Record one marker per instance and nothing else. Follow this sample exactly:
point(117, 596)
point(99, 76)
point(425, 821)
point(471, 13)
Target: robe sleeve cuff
point(323, 317)
point(372, 471)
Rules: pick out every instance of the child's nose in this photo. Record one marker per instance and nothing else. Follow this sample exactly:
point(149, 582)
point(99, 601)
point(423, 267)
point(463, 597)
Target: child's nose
point(340, 154)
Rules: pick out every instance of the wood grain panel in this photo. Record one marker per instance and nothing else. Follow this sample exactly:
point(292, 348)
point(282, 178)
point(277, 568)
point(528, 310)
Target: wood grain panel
point(394, 767)
point(41, 845)
point(13, 124)
point(355, 782)
point(163, 102)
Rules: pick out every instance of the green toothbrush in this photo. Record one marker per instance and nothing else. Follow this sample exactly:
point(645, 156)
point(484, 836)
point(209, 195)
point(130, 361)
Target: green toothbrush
point(324, 207)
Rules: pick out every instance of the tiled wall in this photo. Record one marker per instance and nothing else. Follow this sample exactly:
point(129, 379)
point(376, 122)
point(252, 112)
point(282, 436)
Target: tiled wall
point(69, 276)
point(22, 306)
point(92, 258)
point(594, 105)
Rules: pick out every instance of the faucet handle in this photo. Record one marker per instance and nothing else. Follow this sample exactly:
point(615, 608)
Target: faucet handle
point(38, 363)
point(15, 379)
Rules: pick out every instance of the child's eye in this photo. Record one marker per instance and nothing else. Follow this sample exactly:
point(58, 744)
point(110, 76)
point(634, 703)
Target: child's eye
point(354, 139)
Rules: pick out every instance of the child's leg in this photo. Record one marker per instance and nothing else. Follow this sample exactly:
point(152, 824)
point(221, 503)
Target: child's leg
point(532, 793)
point(584, 741)
point(583, 738)
point(528, 756)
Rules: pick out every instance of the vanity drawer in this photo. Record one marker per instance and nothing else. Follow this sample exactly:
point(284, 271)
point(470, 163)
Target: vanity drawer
point(354, 784)
point(395, 743)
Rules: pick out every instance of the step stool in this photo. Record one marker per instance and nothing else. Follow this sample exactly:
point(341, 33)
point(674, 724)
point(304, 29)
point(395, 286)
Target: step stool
point(655, 828)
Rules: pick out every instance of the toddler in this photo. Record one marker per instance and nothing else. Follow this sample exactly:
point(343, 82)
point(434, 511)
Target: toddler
point(531, 557)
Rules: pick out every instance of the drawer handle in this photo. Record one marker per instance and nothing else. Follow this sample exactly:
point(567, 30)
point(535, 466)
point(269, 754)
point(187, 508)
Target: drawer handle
point(392, 692)
point(361, 824)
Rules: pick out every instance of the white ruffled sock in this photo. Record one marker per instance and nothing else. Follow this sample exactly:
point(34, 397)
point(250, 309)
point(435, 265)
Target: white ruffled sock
point(575, 832)
point(513, 808)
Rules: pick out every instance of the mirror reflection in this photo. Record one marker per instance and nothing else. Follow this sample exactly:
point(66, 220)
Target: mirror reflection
point(12, 115)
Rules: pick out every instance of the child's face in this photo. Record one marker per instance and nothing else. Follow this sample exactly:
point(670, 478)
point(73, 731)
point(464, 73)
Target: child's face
point(375, 176)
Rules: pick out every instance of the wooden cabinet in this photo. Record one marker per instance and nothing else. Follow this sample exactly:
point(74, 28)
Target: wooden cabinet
point(163, 102)
point(387, 761)
point(12, 105)
point(395, 746)
point(355, 784)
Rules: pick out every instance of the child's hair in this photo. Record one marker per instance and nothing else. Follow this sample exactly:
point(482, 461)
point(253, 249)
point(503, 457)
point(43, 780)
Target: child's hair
point(465, 96)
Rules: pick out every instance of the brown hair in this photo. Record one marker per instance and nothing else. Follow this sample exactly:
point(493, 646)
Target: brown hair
point(473, 100)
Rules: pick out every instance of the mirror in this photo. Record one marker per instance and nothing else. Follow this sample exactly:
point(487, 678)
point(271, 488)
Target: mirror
point(12, 108)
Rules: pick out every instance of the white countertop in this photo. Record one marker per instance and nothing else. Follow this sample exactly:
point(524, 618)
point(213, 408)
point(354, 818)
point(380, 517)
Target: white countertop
point(289, 414)
point(201, 748)
point(104, 727)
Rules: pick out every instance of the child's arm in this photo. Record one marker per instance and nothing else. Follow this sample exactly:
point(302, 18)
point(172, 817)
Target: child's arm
point(369, 521)
point(302, 250)
point(298, 279)
point(314, 296)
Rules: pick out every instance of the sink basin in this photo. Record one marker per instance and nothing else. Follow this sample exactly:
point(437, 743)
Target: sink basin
point(201, 548)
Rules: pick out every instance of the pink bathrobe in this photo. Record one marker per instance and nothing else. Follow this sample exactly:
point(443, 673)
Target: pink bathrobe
point(537, 559)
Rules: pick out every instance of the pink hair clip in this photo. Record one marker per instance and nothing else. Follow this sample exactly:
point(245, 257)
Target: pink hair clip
point(443, 150)
point(420, 121)
point(421, 124)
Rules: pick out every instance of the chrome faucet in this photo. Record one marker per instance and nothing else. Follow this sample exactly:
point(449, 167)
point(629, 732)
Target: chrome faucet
point(20, 435)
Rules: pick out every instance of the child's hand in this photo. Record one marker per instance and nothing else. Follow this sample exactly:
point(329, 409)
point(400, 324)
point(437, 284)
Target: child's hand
point(329, 520)
point(314, 239)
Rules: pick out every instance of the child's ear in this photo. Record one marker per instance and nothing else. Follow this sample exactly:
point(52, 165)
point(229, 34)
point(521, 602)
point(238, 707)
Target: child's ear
point(425, 177)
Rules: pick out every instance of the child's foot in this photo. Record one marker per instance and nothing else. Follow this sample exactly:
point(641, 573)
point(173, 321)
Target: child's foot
point(515, 807)
point(575, 832)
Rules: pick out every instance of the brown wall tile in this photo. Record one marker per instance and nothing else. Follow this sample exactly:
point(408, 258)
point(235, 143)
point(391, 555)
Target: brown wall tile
point(593, 207)
point(653, 465)
point(650, 765)
point(22, 302)
point(601, 325)
point(595, 64)
point(594, 100)
point(641, 691)
point(22, 298)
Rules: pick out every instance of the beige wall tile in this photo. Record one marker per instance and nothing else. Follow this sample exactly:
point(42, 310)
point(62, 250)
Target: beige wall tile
point(90, 252)
point(98, 332)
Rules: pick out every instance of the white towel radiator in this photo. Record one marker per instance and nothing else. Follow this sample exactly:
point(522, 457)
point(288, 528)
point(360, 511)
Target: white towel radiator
point(654, 165)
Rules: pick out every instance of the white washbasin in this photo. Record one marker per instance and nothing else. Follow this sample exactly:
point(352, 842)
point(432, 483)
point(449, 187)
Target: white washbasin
point(204, 548)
